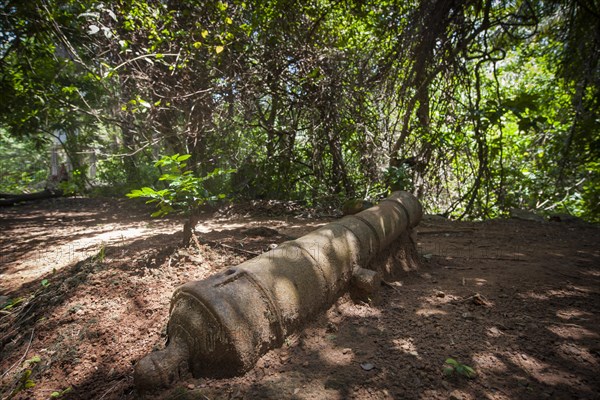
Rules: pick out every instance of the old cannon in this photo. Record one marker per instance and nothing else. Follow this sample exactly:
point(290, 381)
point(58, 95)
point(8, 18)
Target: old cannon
point(220, 326)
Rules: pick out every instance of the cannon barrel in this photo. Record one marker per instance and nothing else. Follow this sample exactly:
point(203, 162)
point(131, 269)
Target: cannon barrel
point(220, 326)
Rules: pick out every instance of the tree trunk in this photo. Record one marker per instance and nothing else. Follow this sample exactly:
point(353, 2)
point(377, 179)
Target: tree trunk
point(11, 199)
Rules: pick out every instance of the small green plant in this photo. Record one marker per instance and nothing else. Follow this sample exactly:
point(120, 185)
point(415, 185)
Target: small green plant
point(77, 182)
point(10, 303)
point(25, 382)
point(184, 192)
point(101, 253)
point(61, 393)
point(451, 367)
point(399, 178)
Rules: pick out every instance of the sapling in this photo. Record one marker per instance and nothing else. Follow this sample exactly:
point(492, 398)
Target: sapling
point(184, 192)
point(451, 366)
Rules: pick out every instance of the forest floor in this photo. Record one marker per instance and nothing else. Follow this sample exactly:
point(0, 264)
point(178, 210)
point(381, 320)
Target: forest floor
point(516, 300)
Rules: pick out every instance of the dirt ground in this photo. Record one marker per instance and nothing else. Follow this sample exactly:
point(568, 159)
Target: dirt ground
point(90, 281)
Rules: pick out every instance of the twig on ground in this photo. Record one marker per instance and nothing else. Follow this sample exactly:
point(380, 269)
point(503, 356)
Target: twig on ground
point(23, 356)
point(110, 390)
point(212, 242)
point(252, 253)
point(478, 299)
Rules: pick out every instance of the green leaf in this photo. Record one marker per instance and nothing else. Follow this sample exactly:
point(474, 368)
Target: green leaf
point(144, 103)
point(469, 372)
point(452, 361)
point(219, 49)
point(168, 177)
point(45, 282)
point(148, 190)
point(34, 359)
point(134, 193)
point(183, 157)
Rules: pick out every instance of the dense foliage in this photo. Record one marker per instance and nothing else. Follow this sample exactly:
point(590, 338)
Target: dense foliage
point(479, 106)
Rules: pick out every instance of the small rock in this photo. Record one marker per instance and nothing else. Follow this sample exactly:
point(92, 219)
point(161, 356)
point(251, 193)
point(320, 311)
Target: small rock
point(367, 366)
point(347, 350)
point(191, 386)
point(495, 331)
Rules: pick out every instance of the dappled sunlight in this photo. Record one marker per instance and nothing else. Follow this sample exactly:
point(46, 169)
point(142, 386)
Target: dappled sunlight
point(205, 227)
point(576, 353)
point(572, 313)
point(494, 332)
point(337, 356)
point(481, 313)
point(407, 346)
point(573, 292)
point(568, 291)
point(480, 281)
point(489, 362)
point(438, 298)
point(361, 311)
point(534, 296)
point(572, 332)
point(285, 289)
point(543, 372)
point(44, 259)
point(426, 312)
point(591, 272)
point(496, 395)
